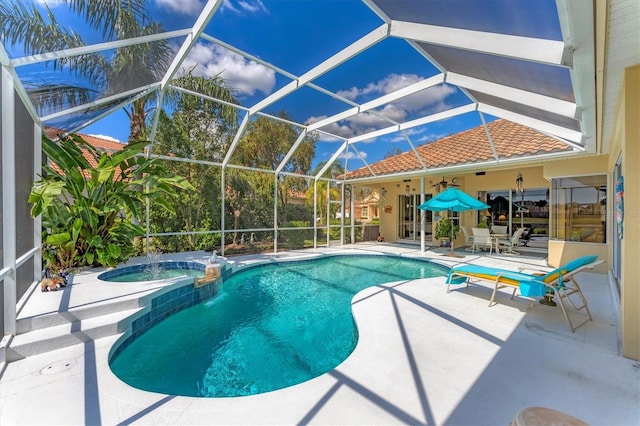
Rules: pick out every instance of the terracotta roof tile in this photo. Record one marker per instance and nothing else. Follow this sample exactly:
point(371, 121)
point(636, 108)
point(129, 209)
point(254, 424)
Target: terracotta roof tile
point(471, 146)
point(100, 144)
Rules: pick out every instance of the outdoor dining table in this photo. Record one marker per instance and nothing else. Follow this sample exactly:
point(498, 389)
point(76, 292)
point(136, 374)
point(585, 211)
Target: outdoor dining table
point(496, 239)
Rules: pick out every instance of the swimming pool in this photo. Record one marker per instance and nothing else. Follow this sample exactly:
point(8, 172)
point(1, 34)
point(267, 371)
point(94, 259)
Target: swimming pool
point(269, 327)
point(153, 271)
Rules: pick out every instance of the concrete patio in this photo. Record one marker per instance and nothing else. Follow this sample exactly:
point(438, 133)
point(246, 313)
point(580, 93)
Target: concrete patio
point(423, 357)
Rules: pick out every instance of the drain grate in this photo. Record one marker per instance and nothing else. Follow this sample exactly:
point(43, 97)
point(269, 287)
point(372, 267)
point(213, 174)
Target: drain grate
point(58, 367)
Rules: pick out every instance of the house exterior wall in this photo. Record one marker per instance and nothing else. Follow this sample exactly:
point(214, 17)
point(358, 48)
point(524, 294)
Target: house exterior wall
point(388, 211)
point(626, 141)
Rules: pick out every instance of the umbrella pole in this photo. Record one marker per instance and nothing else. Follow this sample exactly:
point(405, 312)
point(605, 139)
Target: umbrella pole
point(451, 223)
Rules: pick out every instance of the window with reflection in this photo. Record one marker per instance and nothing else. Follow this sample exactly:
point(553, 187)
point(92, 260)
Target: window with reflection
point(528, 208)
point(580, 209)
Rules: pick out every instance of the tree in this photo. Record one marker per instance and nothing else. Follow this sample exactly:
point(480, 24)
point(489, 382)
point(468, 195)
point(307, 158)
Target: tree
point(323, 186)
point(129, 67)
point(87, 210)
point(393, 152)
point(202, 130)
point(264, 145)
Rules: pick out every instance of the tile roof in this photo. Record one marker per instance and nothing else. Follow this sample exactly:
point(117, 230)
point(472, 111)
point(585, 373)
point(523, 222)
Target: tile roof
point(100, 144)
point(468, 147)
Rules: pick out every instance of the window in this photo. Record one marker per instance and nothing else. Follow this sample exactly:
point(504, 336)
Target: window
point(529, 209)
point(580, 209)
point(365, 211)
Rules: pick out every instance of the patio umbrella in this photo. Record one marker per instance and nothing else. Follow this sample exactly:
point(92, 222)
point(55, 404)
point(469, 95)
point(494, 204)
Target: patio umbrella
point(455, 200)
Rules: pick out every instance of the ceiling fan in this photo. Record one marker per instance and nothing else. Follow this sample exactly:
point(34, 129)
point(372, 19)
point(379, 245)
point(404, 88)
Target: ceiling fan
point(443, 184)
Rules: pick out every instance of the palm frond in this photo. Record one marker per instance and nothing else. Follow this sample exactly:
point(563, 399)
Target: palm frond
point(111, 15)
point(213, 87)
point(55, 97)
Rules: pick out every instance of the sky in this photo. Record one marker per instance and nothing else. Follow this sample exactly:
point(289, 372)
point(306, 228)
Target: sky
point(296, 36)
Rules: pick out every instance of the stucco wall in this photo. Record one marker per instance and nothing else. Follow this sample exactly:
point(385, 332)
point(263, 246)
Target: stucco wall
point(629, 139)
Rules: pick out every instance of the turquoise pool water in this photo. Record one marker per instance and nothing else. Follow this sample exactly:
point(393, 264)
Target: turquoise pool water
point(269, 327)
point(153, 271)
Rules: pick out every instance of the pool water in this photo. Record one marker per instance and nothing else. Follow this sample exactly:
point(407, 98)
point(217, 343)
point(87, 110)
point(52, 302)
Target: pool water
point(269, 327)
point(161, 275)
point(153, 271)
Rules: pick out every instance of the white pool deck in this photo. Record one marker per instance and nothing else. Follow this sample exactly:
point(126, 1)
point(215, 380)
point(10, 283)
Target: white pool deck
point(424, 356)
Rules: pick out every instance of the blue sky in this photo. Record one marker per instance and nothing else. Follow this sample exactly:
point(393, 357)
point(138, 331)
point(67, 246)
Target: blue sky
point(295, 36)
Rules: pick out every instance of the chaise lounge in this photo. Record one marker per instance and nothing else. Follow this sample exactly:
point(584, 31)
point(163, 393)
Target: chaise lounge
point(561, 281)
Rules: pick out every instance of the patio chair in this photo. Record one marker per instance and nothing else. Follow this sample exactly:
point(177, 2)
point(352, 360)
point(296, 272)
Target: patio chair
point(468, 235)
point(561, 281)
point(526, 237)
point(482, 239)
point(510, 243)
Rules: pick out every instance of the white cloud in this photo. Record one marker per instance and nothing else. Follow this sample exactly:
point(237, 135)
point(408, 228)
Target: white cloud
point(426, 102)
point(252, 7)
point(339, 130)
point(109, 138)
point(243, 76)
point(183, 7)
point(431, 100)
point(50, 3)
point(432, 137)
point(389, 84)
point(323, 137)
point(243, 6)
point(415, 134)
point(351, 155)
point(194, 7)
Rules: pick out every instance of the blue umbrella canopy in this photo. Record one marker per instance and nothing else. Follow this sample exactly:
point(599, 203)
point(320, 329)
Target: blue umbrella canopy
point(453, 199)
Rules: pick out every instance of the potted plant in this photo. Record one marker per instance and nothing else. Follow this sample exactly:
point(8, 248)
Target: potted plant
point(443, 231)
point(90, 213)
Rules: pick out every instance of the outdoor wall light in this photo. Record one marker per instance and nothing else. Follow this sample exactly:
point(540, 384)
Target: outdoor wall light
point(519, 184)
point(406, 191)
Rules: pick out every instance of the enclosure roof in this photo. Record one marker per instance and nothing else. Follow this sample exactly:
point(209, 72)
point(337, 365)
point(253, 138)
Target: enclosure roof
point(368, 77)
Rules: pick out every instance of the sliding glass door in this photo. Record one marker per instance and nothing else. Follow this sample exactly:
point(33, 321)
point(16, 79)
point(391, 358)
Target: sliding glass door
point(409, 218)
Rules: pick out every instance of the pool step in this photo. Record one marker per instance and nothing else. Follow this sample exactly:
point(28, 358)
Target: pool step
point(52, 319)
point(69, 333)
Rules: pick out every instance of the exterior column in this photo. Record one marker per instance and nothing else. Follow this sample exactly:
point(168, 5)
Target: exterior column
point(630, 286)
point(9, 237)
point(423, 216)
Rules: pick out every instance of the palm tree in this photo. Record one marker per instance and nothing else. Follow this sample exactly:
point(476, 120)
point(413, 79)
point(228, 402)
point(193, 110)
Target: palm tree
point(130, 67)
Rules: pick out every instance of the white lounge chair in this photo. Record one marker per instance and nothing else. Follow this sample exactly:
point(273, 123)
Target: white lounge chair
point(468, 235)
point(561, 281)
point(510, 243)
point(482, 239)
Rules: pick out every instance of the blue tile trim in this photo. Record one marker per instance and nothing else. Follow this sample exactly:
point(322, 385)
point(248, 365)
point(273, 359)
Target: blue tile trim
point(165, 305)
point(117, 272)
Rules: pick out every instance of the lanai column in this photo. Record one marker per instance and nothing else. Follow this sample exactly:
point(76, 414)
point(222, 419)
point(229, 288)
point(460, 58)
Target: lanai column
point(422, 216)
